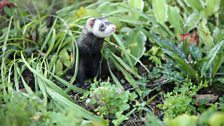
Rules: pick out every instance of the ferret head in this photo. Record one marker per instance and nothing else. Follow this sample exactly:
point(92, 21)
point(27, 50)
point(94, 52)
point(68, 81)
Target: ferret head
point(100, 27)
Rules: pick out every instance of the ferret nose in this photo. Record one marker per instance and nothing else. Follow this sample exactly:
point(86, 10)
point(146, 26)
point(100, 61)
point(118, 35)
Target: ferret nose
point(113, 28)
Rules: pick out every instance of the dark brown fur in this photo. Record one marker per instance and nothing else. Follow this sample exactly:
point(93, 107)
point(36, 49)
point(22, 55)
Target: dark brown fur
point(89, 44)
point(89, 57)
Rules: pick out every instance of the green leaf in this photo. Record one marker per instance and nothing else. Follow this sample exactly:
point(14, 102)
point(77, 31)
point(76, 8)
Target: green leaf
point(205, 34)
point(160, 9)
point(121, 44)
point(53, 61)
point(134, 42)
point(70, 86)
point(217, 119)
point(186, 67)
point(221, 80)
point(7, 10)
point(26, 86)
point(127, 76)
point(192, 21)
point(51, 43)
point(169, 46)
point(122, 63)
point(195, 52)
point(211, 56)
point(182, 5)
point(59, 67)
point(156, 60)
point(175, 19)
point(44, 45)
point(195, 4)
point(138, 4)
point(217, 63)
point(115, 79)
point(152, 120)
point(182, 120)
point(64, 57)
point(212, 6)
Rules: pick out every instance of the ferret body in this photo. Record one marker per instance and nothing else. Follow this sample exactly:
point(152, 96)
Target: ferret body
point(89, 44)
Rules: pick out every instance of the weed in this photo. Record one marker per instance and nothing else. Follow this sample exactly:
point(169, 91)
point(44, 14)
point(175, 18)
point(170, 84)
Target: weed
point(110, 100)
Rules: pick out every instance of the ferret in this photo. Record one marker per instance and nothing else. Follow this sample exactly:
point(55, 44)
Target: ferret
point(89, 45)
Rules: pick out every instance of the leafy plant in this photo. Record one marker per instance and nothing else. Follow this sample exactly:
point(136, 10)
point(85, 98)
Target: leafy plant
point(23, 111)
point(209, 117)
point(110, 100)
point(181, 100)
point(155, 55)
point(19, 111)
point(198, 67)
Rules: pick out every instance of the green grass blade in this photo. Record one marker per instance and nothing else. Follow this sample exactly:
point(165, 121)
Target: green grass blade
point(119, 60)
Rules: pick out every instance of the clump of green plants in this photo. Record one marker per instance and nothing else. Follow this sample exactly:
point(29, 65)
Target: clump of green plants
point(19, 111)
point(193, 40)
point(211, 117)
point(110, 100)
point(180, 100)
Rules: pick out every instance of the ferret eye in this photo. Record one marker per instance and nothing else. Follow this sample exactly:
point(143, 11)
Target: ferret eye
point(102, 25)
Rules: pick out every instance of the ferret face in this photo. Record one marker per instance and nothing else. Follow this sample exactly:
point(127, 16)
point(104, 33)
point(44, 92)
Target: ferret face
point(100, 27)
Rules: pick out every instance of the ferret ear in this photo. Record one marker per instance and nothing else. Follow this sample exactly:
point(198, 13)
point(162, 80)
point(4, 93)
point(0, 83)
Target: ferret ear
point(90, 22)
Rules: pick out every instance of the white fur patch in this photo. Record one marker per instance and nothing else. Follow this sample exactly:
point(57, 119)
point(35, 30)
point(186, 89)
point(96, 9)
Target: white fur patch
point(102, 34)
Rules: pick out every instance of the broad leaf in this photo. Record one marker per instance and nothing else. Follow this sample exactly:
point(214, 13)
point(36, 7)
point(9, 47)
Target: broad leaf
point(195, 52)
point(160, 9)
point(212, 6)
point(182, 120)
point(211, 56)
point(195, 4)
point(59, 67)
point(205, 34)
point(192, 21)
point(65, 58)
point(219, 60)
point(135, 44)
point(175, 19)
point(138, 4)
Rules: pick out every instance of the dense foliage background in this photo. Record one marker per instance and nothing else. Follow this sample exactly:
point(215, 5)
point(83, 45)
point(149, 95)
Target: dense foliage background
point(165, 63)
